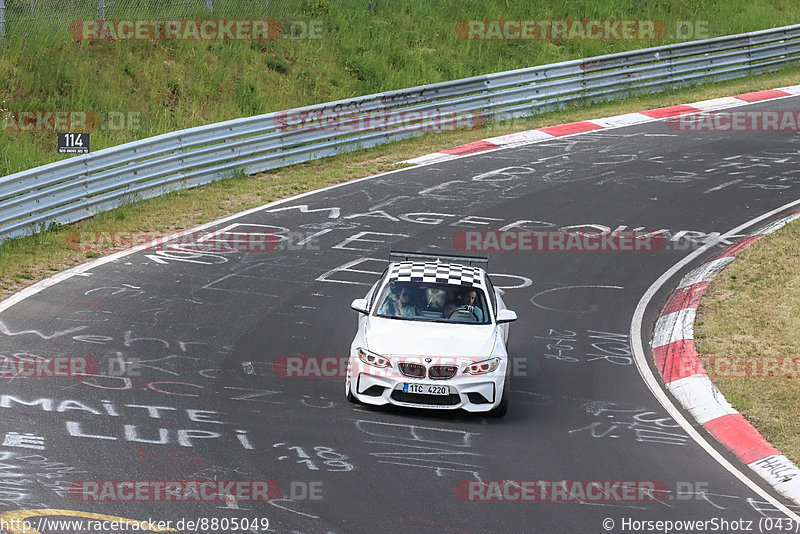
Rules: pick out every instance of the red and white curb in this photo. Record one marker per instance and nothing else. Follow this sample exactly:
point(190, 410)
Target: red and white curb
point(685, 377)
point(548, 133)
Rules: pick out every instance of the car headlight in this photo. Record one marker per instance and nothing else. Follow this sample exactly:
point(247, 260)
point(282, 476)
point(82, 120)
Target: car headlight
point(375, 360)
point(481, 368)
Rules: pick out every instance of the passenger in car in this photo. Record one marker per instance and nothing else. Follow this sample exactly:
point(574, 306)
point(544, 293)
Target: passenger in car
point(398, 303)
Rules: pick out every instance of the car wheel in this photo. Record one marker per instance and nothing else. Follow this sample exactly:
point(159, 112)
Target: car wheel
point(350, 396)
point(502, 408)
point(347, 390)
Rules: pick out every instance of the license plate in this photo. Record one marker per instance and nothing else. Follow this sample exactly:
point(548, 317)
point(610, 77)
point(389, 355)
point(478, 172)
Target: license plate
point(426, 389)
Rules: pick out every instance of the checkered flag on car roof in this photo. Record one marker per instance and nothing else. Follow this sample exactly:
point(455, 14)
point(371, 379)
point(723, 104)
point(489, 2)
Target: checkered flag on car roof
point(441, 273)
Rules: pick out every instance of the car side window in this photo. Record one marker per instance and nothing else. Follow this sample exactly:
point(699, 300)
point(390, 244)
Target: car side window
point(492, 294)
point(374, 290)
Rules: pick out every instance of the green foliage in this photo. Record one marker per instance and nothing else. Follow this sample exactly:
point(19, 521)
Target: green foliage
point(278, 65)
point(318, 8)
point(248, 99)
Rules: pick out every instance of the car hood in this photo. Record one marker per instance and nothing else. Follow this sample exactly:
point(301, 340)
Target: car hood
point(396, 337)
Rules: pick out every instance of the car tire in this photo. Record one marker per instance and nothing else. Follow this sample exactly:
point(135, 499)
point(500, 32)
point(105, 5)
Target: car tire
point(351, 397)
point(348, 391)
point(501, 409)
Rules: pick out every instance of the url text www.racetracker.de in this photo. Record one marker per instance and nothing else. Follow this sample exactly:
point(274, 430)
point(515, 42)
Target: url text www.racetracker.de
point(22, 524)
point(714, 524)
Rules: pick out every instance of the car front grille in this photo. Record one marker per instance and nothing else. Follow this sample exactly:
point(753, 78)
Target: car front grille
point(417, 398)
point(411, 370)
point(435, 372)
point(442, 372)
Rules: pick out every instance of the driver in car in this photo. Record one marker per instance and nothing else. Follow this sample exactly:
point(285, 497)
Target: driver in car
point(467, 300)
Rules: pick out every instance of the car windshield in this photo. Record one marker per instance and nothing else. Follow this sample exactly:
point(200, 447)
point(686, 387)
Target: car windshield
point(423, 301)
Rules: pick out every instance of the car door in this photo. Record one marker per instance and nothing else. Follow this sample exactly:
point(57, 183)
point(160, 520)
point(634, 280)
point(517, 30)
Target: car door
point(497, 305)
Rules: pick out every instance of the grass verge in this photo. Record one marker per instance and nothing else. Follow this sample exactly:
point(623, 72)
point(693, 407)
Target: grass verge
point(750, 318)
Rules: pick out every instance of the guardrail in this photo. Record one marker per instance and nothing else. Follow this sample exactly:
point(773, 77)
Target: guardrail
point(76, 188)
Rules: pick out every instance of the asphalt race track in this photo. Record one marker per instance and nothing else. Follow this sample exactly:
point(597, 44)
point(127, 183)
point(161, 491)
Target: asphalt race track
point(205, 401)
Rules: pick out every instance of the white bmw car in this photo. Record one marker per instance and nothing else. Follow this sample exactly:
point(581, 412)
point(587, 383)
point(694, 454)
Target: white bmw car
point(432, 333)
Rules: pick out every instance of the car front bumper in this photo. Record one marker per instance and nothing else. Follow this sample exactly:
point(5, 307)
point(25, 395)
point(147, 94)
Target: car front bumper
point(473, 393)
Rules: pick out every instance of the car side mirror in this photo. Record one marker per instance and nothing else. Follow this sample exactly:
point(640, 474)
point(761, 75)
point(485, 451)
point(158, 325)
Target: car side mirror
point(360, 305)
point(506, 316)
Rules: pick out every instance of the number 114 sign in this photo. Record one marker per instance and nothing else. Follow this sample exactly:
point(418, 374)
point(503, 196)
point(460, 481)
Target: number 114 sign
point(73, 143)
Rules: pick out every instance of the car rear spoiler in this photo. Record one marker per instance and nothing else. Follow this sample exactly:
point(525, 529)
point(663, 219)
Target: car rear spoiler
point(399, 255)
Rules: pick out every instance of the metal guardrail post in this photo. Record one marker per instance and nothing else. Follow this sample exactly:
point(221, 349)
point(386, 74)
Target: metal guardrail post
point(2, 19)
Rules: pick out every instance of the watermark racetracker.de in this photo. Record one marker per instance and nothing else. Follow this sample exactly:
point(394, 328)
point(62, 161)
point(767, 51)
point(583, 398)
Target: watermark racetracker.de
point(175, 490)
point(561, 491)
point(31, 366)
point(781, 120)
point(593, 240)
point(581, 29)
point(176, 29)
point(66, 121)
point(234, 239)
point(740, 366)
point(37, 366)
point(199, 29)
point(49, 121)
point(337, 366)
point(354, 120)
point(582, 491)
